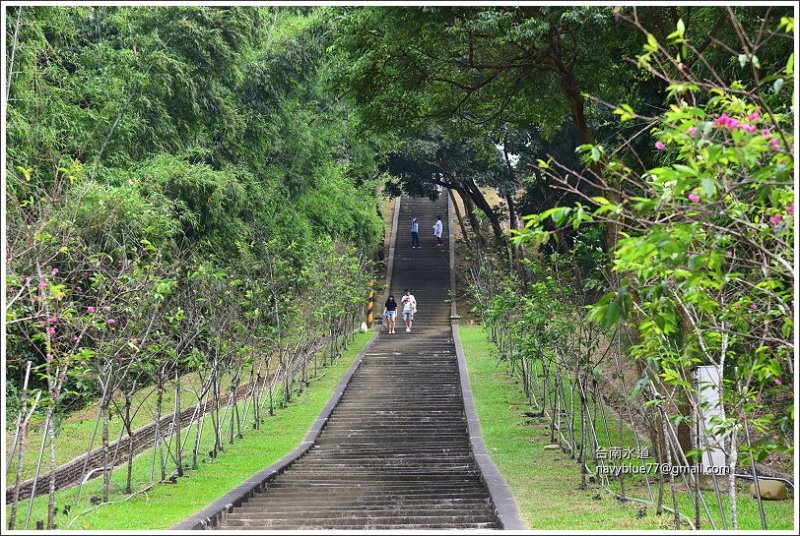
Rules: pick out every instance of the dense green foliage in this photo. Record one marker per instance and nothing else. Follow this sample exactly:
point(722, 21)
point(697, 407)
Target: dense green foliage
point(198, 134)
point(192, 190)
point(184, 198)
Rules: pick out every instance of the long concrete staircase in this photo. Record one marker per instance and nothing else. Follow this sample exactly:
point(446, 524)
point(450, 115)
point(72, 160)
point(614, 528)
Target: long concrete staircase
point(395, 452)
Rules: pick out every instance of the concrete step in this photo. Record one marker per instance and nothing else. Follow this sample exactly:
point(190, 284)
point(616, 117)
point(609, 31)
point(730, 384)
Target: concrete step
point(367, 525)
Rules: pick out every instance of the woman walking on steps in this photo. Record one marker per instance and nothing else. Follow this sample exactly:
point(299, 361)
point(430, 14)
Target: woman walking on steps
point(390, 312)
point(415, 233)
point(437, 231)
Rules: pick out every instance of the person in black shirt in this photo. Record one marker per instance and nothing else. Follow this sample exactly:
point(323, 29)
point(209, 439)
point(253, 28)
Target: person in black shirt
point(390, 312)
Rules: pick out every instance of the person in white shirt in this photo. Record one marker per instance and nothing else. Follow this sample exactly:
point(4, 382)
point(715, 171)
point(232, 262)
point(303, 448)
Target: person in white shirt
point(409, 308)
point(437, 231)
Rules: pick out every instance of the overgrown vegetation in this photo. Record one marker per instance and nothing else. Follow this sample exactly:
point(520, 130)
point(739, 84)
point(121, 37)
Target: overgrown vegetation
point(187, 209)
point(548, 490)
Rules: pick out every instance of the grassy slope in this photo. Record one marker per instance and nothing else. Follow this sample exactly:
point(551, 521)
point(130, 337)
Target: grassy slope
point(76, 429)
point(545, 482)
point(166, 504)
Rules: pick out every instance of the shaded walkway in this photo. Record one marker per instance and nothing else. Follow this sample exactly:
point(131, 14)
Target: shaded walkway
point(395, 451)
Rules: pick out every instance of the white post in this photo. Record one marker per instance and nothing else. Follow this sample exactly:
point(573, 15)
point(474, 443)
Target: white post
point(707, 382)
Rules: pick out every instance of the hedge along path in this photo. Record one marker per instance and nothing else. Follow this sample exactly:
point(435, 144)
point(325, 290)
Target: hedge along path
point(90, 465)
point(396, 447)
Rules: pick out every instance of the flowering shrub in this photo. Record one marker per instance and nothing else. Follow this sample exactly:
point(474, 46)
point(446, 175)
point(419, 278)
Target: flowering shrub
point(704, 250)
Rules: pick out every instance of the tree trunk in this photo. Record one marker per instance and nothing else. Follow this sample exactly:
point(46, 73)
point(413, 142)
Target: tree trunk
point(106, 458)
point(159, 441)
point(458, 216)
point(21, 437)
point(480, 201)
point(129, 428)
point(177, 421)
point(577, 107)
point(51, 493)
point(733, 457)
point(469, 208)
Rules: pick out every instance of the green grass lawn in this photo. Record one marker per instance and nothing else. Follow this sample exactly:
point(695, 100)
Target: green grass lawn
point(166, 504)
point(545, 483)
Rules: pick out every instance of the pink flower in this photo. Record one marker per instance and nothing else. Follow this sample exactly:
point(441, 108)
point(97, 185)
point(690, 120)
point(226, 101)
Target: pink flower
point(725, 121)
point(660, 146)
point(694, 198)
point(42, 284)
point(51, 331)
point(54, 271)
point(111, 321)
point(777, 381)
point(729, 253)
point(776, 145)
point(754, 115)
point(74, 338)
point(28, 281)
point(42, 322)
point(49, 357)
point(747, 128)
point(776, 218)
point(753, 306)
point(743, 417)
point(790, 208)
point(738, 305)
point(721, 120)
point(765, 132)
point(90, 310)
point(54, 320)
point(691, 130)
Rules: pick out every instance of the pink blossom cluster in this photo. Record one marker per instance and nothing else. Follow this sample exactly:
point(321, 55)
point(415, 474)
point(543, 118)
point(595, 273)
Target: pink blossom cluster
point(734, 124)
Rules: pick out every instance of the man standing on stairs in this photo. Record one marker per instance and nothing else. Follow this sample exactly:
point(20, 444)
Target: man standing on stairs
point(409, 308)
point(415, 233)
point(437, 231)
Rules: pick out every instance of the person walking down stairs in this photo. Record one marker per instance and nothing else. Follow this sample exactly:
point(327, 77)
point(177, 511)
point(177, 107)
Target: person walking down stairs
point(409, 308)
point(437, 231)
point(390, 311)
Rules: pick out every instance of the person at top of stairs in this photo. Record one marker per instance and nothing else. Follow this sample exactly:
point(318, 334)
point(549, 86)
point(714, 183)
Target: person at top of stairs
point(415, 233)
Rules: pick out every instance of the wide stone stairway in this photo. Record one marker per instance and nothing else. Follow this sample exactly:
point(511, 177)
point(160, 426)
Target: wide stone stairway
point(395, 452)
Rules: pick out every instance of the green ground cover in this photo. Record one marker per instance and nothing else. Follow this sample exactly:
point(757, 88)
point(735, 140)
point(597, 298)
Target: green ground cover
point(166, 504)
point(545, 483)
